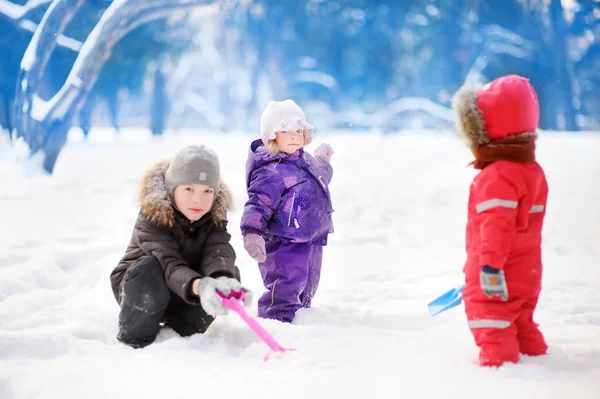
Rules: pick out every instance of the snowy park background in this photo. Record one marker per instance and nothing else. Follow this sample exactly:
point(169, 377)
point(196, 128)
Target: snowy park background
point(93, 92)
point(400, 215)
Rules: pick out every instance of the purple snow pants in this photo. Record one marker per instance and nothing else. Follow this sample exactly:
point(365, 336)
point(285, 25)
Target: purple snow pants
point(291, 275)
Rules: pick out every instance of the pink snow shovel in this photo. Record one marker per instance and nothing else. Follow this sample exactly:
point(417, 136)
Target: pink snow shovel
point(234, 301)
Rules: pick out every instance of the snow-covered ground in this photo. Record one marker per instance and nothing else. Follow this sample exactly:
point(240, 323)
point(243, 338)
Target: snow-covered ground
point(400, 212)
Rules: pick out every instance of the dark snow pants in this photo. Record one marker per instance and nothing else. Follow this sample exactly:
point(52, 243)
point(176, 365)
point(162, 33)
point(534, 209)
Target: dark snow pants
point(146, 302)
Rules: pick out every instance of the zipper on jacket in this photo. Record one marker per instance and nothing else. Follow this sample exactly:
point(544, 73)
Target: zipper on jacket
point(320, 179)
point(292, 209)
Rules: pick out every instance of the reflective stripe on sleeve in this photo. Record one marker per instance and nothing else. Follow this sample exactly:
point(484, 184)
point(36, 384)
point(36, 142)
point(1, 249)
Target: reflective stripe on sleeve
point(496, 202)
point(537, 209)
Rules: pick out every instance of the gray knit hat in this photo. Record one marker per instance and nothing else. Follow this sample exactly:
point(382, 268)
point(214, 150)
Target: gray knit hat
point(193, 165)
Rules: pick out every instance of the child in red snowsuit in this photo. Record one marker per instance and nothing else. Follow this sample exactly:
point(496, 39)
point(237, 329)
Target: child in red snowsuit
point(507, 205)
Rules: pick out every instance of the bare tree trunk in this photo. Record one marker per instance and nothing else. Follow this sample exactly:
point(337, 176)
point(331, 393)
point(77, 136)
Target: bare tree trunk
point(5, 122)
point(563, 79)
point(48, 131)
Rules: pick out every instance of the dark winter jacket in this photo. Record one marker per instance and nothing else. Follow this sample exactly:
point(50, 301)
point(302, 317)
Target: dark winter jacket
point(288, 196)
point(185, 250)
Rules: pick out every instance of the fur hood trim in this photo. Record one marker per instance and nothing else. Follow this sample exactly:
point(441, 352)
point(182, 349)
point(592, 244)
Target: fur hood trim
point(469, 118)
point(155, 201)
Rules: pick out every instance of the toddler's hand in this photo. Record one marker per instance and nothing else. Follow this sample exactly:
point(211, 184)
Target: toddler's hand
point(493, 283)
point(324, 152)
point(255, 246)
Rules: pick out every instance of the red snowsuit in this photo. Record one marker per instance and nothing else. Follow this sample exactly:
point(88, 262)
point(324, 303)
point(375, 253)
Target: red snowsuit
point(507, 205)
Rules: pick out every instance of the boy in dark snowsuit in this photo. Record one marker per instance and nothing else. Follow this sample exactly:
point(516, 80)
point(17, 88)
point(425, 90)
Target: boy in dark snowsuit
point(180, 254)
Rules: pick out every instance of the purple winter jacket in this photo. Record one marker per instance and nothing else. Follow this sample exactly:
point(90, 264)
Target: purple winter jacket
point(288, 196)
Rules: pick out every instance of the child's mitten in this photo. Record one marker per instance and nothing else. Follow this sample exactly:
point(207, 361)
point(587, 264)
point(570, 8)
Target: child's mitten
point(255, 246)
point(324, 152)
point(235, 285)
point(493, 282)
point(210, 300)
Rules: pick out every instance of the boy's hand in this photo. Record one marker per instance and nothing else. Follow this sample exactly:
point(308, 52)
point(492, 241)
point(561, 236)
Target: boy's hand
point(493, 283)
point(222, 284)
point(255, 246)
point(210, 300)
point(324, 152)
point(236, 286)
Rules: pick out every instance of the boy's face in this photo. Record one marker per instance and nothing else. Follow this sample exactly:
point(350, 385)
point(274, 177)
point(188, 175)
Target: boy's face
point(290, 141)
point(193, 200)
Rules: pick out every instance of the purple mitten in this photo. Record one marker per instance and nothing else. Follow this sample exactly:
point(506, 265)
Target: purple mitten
point(255, 246)
point(324, 152)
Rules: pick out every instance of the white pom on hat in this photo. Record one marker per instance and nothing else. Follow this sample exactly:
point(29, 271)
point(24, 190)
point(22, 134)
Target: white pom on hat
point(282, 116)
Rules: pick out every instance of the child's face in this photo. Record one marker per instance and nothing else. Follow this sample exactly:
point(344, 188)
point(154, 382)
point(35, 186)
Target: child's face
point(193, 200)
point(290, 141)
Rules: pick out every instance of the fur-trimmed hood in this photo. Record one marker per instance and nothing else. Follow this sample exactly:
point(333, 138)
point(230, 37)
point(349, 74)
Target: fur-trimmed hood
point(469, 118)
point(507, 106)
point(156, 204)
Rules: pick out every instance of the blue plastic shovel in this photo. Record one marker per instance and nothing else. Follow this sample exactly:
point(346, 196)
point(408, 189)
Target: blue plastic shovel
point(446, 301)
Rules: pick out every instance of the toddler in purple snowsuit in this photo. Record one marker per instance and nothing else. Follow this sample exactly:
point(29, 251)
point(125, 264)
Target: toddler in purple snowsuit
point(287, 217)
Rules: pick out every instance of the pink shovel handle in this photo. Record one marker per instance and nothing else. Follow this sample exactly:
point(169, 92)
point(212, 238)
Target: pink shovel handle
point(236, 305)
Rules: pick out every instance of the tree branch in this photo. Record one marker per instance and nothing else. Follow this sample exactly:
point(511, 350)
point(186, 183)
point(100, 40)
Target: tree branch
point(119, 19)
point(45, 124)
point(16, 15)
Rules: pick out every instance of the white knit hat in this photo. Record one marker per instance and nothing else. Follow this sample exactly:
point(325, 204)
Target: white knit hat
point(283, 116)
